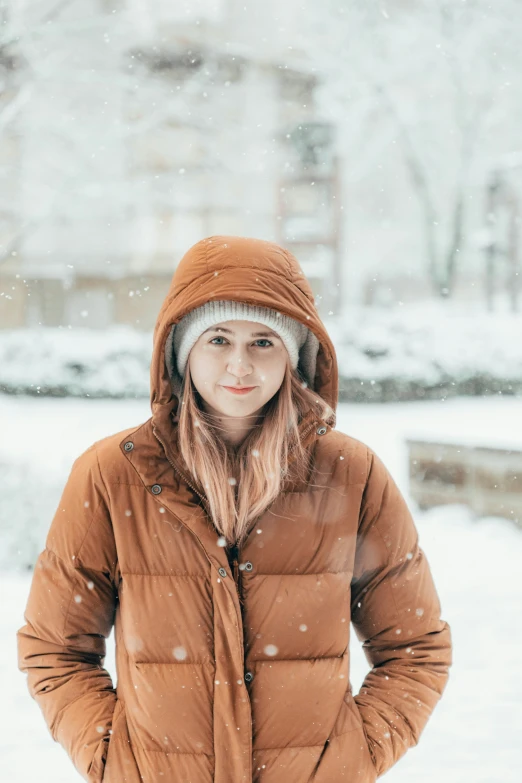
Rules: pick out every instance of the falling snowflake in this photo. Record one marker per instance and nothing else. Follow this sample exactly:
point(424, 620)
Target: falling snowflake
point(179, 653)
point(271, 649)
point(133, 643)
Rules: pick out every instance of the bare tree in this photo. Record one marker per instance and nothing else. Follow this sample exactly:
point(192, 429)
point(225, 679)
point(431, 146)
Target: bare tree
point(435, 73)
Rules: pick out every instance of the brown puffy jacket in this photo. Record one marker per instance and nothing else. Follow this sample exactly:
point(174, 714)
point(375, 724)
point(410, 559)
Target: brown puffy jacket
point(239, 675)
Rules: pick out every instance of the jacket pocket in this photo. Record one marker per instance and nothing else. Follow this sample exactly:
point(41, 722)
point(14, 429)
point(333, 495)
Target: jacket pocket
point(345, 757)
point(120, 762)
point(95, 772)
point(353, 705)
point(346, 754)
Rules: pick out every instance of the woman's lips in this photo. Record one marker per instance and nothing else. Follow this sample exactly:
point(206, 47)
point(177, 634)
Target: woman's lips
point(235, 390)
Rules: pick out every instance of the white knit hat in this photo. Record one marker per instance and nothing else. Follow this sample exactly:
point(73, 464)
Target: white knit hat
point(301, 343)
point(188, 330)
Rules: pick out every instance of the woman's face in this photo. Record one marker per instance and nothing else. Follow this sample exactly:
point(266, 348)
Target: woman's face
point(235, 354)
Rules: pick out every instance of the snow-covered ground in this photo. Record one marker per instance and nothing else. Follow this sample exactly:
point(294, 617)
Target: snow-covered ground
point(474, 733)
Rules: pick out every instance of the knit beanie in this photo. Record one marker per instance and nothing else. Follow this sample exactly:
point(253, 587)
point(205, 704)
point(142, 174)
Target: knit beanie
point(299, 341)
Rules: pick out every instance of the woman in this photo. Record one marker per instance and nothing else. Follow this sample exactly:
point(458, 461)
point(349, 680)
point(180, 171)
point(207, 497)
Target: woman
point(231, 539)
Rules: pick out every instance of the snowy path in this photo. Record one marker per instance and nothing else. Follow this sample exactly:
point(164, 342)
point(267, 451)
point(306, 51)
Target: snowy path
point(474, 732)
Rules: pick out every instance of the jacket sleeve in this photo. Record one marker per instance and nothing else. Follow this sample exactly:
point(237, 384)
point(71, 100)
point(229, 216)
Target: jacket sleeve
point(396, 613)
point(69, 615)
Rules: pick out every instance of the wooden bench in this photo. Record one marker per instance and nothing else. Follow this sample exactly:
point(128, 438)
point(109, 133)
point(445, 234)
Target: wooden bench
point(488, 480)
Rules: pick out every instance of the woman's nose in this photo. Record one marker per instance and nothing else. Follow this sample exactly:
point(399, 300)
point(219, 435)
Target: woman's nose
point(239, 365)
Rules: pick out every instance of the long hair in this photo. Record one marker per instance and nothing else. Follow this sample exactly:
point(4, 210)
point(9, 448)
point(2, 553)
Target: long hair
point(260, 463)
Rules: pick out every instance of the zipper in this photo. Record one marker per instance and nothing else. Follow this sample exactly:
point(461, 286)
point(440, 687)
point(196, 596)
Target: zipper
point(236, 571)
point(234, 559)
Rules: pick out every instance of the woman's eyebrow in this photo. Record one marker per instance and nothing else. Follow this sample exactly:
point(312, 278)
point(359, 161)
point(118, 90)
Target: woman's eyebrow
point(229, 331)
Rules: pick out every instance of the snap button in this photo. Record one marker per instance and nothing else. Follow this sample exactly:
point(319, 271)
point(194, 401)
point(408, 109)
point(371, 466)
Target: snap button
point(321, 430)
point(249, 676)
point(248, 566)
point(155, 489)
point(222, 572)
point(129, 446)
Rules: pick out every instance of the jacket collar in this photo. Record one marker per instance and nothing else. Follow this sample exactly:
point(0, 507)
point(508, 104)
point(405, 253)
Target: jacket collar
point(154, 458)
point(165, 431)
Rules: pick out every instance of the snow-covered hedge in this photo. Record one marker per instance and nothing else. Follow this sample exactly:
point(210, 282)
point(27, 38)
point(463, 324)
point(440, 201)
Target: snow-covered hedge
point(416, 352)
point(75, 363)
point(426, 351)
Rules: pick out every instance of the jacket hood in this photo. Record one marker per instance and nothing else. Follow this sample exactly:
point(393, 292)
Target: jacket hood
point(248, 270)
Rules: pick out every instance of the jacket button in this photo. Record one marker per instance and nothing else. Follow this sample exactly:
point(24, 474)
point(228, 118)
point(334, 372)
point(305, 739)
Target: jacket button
point(249, 676)
point(155, 489)
point(222, 572)
point(321, 430)
point(248, 566)
point(129, 446)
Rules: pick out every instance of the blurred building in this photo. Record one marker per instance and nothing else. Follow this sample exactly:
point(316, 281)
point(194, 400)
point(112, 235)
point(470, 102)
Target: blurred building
point(136, 134)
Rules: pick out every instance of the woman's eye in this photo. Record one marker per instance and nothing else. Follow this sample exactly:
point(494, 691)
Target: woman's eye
point(261, 340)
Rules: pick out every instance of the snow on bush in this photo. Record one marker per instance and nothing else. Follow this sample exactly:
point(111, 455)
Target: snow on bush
point(415, 352)
point(77, 362)
point(428, 350)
